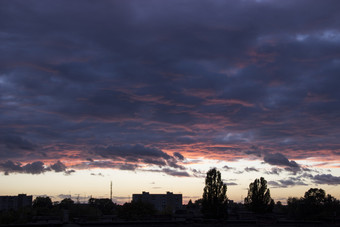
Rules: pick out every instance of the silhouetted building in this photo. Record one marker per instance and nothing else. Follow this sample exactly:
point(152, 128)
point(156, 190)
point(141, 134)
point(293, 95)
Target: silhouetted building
point(15, 202)
point(168, 202)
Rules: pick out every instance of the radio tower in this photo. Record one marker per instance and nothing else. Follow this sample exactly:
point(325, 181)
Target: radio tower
point(111, 191)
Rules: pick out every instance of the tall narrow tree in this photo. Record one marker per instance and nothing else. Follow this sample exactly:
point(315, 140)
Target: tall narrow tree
point(258, 199)
point(214, 202)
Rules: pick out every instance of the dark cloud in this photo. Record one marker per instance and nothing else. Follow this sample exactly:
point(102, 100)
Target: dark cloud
point(230, 182)
point(228, 168)
point(238, 172)
point(138, 154)
point(275, 171)
point(58, 167)
point(285, 183)
point(179, 156)
point(14, 146)
point(9, 166)
point(293, 170)
point(37, 167)
point(173, 163)
point(152, 161)
point(97, 164)
point(254, 150)
point(131, 151)
point(251, 169)
point(128, 167)
point(274, 184)
point(69, 172)
point(279, 159)
point(326, 179)
point(34, 168)
point(171, 172)
point(16, 142)
point(198, 173)
point(176, 173)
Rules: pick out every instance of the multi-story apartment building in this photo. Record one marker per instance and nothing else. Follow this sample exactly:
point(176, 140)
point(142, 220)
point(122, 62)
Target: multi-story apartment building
point(15, 202)
point(162, 202)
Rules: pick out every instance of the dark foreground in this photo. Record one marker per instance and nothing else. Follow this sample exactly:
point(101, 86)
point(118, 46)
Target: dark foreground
point(183, 223)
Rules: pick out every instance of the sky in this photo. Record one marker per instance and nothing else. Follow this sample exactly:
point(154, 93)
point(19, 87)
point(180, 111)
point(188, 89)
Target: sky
point(152, 94)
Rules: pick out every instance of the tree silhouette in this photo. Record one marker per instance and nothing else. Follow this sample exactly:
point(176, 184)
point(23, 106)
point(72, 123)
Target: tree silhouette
point(66, 203)
point(315, 196)
point(214, 202)
point(258, 199)
point(42, 205)
point(42, 202)
point(315, 205)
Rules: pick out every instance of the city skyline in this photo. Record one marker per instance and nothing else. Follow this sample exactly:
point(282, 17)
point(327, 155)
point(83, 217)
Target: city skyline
point(152, 94)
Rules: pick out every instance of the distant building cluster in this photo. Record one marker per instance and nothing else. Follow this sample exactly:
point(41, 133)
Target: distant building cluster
point(161, 202)
point(15, 202)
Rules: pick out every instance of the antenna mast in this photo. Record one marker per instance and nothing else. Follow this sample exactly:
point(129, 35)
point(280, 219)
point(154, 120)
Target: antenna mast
point(111, 191)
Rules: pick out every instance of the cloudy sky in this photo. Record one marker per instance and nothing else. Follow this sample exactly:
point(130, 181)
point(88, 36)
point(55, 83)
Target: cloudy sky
point(151, 94)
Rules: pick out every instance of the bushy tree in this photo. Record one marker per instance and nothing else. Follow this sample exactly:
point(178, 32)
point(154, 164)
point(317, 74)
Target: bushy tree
point(42, 205)
point(66, 203)
point(42, 202)
point(258, 199)
point(214, 202)
point(313, 206)
point(315, 196)
point(314, 201)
